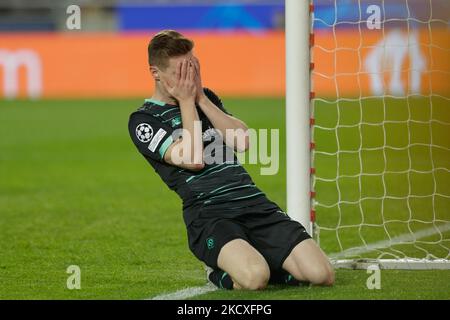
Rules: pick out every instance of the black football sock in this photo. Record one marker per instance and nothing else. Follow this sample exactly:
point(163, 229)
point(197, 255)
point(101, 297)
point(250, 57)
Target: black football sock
point(290, 280)
point(221, 279)
point(284, 277)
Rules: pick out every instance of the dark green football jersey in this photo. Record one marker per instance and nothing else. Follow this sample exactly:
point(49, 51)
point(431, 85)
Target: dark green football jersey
point(153, 128)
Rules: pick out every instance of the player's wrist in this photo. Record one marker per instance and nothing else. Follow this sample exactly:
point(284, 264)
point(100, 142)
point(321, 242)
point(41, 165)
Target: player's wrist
point(187, 101)
point(202, 98)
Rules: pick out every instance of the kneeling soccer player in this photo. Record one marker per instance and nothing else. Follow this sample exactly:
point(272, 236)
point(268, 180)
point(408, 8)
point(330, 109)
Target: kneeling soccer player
point(245, 239)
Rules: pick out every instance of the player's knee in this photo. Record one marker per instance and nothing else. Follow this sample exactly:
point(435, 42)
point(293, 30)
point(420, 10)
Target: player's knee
point(322, 275)
point(255, 277)
point(329, 278)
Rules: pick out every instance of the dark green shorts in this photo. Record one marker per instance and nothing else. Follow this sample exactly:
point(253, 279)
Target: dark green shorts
point(261, 223)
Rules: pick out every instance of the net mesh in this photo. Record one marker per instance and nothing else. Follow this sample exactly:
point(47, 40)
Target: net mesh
point(382, 128)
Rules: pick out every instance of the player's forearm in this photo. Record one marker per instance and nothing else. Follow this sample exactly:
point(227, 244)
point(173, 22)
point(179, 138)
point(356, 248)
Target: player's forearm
point(231, 128)
point(192, 139)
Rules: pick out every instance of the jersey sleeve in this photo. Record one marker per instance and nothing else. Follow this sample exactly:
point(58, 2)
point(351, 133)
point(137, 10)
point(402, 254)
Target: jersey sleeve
point(150, 136)
point(215, 99)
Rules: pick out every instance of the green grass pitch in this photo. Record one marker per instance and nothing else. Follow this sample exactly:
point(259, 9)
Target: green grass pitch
point(74, 191)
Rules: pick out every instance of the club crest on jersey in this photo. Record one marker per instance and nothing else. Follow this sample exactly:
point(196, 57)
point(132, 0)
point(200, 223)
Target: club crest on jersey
point(144, 132)
point(176, 121)
point(209, 134)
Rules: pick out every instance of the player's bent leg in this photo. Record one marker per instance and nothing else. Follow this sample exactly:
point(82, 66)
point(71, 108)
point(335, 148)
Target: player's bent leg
point(246, 266)
point(307, 262)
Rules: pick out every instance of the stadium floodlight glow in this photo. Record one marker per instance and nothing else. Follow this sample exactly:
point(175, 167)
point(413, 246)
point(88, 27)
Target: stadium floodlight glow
point(379, 116)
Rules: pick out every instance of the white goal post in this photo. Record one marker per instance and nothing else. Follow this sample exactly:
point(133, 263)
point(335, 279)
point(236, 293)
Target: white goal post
point(297, 111)
point(367, 126)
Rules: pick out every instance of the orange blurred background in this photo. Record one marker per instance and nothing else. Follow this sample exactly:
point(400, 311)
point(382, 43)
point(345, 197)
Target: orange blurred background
point(233, 64)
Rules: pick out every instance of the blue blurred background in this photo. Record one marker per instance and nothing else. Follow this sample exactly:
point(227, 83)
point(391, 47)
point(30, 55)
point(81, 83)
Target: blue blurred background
point(202, 15)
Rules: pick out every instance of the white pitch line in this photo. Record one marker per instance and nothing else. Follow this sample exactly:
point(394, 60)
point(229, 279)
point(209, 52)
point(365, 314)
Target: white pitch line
point(407, 237)
point(185, 293)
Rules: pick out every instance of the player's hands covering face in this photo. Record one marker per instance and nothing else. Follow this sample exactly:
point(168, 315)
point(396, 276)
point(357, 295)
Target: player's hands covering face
point(183, 87)
point(198, 79)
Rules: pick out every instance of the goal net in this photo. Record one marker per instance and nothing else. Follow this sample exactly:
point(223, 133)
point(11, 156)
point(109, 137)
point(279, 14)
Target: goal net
point(381, 131)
